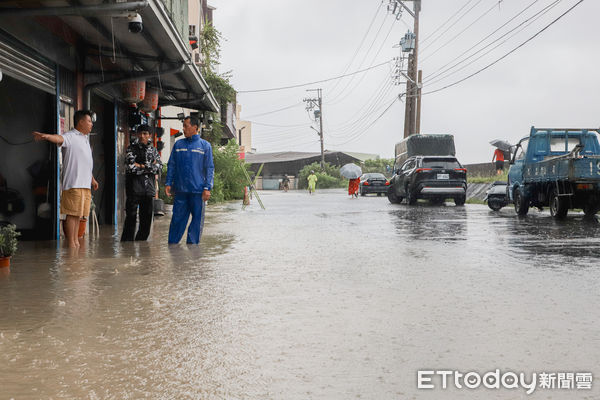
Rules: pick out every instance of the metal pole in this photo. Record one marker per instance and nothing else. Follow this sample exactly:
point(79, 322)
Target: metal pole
point(321, 130)
point(418, 122)
point(407, 105)
point(410, 114)
point(413, 73)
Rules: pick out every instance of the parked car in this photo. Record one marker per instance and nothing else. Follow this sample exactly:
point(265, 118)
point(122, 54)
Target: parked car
point(373, 182)
point(496, 195)
point(429, 177)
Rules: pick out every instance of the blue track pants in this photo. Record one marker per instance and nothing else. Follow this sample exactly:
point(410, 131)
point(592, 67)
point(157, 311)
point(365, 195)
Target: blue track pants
point(185, 204)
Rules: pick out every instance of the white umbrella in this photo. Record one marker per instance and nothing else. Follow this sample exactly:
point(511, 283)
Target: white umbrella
point(351, 171)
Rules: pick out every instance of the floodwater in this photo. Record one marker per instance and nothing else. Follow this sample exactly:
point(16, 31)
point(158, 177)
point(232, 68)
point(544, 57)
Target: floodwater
point(317, 297)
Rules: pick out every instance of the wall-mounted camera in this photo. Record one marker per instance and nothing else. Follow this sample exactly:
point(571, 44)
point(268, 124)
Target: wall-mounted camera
point(135, 23)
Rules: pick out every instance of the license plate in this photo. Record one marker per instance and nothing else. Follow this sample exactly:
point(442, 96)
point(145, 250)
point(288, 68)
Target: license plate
point(443, 176)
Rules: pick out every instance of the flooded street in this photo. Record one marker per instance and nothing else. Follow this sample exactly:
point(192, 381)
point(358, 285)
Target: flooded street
point(317, 297)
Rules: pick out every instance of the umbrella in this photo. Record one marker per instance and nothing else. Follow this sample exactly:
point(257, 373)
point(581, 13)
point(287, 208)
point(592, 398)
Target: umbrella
point(351, 171)
point(501, 144)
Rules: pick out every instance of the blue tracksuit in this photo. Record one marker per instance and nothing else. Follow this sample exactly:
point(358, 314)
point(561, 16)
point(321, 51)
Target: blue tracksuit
point(190, 171)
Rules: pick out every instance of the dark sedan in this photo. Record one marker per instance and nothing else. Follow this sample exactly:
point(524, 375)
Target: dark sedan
point(373, 183)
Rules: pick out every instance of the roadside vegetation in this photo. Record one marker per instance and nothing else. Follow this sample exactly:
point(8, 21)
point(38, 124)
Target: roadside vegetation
point(229, 178)
point(328, 178)
point(487, 178)
point(384, 166)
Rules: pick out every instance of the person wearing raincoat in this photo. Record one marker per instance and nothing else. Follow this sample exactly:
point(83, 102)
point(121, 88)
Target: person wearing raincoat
point(353, 186)
point(190, 175)
point(312, 182)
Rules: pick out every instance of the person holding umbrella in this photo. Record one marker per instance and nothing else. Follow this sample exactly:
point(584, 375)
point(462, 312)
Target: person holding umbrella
point(353, 172)
point(501, 147)
point(353, 185)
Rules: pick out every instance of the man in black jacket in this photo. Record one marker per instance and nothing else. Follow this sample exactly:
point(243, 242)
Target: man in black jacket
point(142, 163)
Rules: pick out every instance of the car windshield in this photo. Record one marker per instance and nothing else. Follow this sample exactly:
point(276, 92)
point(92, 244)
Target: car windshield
point(373, 176)
point(446, 163)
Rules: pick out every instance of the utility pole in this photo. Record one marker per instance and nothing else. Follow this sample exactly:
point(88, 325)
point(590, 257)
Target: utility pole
point(411, 125)
point(311, 104)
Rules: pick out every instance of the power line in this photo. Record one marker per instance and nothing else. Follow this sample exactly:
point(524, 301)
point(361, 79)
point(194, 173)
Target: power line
point(445, 22)
point(336, 97)
point(518, 29)
point(485, 38)
point(274, 111)
point(363, 76)
point(461, 32)
point(312, 83)
point(362, 132)
point(359, 46)
point(510, 52)
point(455, 22)
point(277, 126)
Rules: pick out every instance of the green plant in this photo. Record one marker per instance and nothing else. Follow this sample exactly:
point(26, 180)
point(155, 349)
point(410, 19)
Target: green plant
point(382, 165)
point(487, 178)
point(328, 178)
point(230, 179)
point(8, 240)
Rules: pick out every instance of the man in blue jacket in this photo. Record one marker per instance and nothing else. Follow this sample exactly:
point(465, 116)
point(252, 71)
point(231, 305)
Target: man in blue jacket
point(190, 174)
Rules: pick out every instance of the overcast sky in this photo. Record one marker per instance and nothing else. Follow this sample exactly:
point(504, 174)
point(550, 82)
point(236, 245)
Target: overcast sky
point(552, 81)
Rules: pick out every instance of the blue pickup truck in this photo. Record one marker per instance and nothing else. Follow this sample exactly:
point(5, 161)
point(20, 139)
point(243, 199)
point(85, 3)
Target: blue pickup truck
point(559, 168)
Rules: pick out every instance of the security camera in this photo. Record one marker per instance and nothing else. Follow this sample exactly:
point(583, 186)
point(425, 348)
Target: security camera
point(135, 23)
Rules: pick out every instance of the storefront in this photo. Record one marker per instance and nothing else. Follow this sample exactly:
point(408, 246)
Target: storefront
point(57, 59)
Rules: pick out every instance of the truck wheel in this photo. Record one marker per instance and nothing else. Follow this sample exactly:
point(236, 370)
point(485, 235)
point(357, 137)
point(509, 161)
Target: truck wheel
point(392, 196)
point(411, 197)
point(558, 205)
point(460, 201)
point(590, 209)
point(521, 203)
point(494, 206)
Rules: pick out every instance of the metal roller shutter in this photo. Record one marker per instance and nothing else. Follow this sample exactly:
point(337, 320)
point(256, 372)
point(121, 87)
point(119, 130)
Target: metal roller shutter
point(20, 65)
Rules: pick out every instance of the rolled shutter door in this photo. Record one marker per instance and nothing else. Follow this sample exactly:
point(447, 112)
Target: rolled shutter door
point(17, 63)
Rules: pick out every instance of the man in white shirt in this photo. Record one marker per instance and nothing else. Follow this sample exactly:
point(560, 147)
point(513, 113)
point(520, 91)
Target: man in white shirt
point(77, 176)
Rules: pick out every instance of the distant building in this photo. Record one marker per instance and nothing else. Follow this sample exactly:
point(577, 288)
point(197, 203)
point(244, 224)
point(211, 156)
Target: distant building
point(291, 162)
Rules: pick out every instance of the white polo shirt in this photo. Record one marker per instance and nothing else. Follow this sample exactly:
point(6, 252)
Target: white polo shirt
point(77, 160)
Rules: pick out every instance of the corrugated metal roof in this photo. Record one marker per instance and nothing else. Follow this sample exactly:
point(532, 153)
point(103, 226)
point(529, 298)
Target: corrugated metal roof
point(282, 156)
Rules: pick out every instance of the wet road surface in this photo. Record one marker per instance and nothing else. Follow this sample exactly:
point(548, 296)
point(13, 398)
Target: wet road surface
point(318, 297)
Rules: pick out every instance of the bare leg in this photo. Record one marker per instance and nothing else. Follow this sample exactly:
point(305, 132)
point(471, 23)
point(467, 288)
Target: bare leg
point(71, 230)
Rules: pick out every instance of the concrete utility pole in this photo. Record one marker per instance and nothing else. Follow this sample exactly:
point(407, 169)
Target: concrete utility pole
point(411, 125)
point(310, 106)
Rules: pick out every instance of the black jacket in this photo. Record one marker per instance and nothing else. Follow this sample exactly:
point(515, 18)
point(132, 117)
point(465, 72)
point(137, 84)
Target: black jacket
point(140, 181)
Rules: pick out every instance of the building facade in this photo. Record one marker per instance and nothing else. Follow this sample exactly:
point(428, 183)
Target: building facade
point(122, 60)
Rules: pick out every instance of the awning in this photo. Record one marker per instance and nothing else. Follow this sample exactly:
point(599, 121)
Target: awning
point(114, 53)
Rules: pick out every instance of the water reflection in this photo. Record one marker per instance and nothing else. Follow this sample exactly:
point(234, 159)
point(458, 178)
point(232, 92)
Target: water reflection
point(430, 222)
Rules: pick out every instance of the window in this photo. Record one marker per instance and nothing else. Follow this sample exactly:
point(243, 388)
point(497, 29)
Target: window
point(521, 150)
point(572, 142)
point(445, 163)
point(557, 144)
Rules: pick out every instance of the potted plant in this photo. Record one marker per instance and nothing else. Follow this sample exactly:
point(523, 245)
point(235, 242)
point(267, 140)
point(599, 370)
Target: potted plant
point(8, 244)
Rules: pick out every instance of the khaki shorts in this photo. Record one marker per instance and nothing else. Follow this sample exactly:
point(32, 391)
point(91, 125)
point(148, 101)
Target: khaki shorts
point(76, 202)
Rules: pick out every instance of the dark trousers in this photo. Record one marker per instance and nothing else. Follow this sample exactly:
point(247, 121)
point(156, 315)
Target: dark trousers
point(185, 204)
point(145, 204)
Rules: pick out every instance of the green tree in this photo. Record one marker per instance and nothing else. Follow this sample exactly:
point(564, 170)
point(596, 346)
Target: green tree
point(380, 165)
point(230, 179)
point(328, 178)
